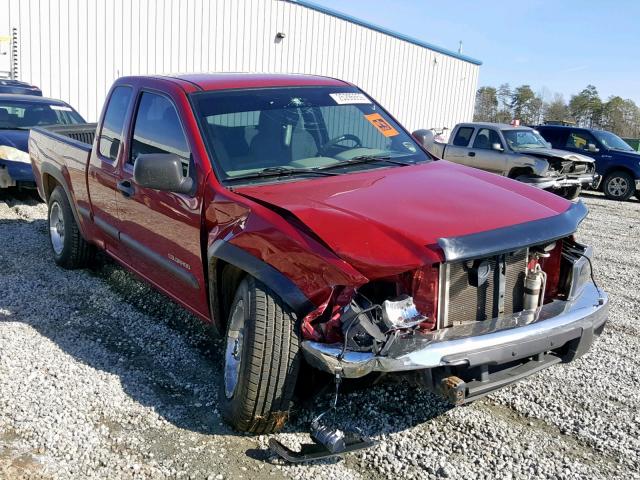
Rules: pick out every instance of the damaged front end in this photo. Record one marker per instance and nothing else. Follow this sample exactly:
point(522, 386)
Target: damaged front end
point(566, 173)
point(501, 306)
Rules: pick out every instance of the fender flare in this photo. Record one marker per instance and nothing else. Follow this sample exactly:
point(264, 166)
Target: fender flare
point(286, 289)
point(48, 169)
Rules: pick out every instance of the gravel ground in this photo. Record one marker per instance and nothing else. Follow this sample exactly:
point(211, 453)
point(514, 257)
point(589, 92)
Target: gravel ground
point(102, 377)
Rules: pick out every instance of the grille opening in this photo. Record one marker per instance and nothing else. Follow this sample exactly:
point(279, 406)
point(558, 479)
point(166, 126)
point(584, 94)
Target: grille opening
point(469, 303)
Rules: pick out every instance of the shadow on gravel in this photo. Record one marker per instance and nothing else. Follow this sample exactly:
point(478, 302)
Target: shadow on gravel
point(600, 196)
point(14, 196)
point(163, 356)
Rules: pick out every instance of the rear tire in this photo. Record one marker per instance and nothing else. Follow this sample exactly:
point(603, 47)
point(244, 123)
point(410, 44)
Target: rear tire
point(69, 249)
point(618, 185)
point(261, 360)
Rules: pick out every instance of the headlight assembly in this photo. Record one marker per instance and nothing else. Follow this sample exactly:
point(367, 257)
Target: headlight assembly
point(13, 154)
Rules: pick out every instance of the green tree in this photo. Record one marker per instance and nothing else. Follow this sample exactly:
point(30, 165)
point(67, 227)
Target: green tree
point(557, 110)
point(586, 107)
point(486, 107)
point(504, 115)
point(526, 105)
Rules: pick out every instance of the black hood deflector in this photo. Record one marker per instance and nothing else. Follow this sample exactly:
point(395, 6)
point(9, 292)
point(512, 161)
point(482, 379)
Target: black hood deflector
point(513, 237)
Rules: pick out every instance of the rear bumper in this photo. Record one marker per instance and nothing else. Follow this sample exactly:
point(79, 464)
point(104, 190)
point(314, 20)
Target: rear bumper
point(492, 342)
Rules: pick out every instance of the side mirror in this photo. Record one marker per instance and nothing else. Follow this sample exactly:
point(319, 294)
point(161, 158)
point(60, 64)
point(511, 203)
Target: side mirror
point(161, 171)
point(592, 148)
point(497, 147)
point(424, 137)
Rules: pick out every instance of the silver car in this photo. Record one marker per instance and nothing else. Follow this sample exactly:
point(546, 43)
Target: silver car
point(516, 152)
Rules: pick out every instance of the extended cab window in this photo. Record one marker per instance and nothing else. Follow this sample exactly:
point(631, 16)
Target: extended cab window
point(111, 133)
point(485, 138)
point(157, 129)
point(463, 136)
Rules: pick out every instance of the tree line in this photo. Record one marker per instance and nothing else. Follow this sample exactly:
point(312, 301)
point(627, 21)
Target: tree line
point(585, 109)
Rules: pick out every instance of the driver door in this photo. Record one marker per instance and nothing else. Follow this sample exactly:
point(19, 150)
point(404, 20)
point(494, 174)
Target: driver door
point(161, 230)
point(483, 156)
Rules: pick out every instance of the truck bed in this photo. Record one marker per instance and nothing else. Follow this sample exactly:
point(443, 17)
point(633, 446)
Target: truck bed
point(63, 152)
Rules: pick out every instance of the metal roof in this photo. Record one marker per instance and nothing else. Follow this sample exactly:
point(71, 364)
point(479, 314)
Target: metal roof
point(380, 29)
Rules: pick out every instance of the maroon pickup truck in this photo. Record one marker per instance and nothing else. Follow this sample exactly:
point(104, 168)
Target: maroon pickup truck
point(300, 220)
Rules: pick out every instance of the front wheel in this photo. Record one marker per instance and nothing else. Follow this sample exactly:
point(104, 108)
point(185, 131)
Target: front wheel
point(571, 193)
point(261, 360)
point(618, 185)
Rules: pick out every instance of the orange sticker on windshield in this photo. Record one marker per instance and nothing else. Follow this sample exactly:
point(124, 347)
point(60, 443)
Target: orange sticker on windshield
point(381, 125)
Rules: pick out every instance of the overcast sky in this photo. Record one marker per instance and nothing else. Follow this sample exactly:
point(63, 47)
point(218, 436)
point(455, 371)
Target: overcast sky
point(553, 45)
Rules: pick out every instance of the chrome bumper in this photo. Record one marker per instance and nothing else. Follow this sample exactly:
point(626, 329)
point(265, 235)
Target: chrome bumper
point(496, 341)
point(570, 180)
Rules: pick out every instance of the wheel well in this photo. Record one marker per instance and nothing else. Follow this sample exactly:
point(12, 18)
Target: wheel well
point(224, 280)
point(619, 169)
point(48, 184)
point(517, 171)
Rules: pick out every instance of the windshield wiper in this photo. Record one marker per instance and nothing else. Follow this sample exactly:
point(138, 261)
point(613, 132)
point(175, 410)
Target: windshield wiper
point(364, 159)
point(281, 172)
point(15, 128)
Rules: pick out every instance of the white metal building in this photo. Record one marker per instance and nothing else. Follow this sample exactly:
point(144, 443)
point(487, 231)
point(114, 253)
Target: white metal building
point(74, 49)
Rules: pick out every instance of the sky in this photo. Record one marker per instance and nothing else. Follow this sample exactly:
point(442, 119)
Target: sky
point(556, 46)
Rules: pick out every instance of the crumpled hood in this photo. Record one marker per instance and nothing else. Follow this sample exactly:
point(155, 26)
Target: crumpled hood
point(389, 220)
point(554, 152)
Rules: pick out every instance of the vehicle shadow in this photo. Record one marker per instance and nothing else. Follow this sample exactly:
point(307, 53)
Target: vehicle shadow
point(600, 196)
point(163, 356)
point(14, 195)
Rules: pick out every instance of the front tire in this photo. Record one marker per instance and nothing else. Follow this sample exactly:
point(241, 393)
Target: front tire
point(618, 185)
point(571, 193)
point(261, 360)
point(69, 249)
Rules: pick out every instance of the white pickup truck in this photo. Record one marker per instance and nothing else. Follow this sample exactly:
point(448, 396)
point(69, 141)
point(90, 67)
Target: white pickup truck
point(515, 152)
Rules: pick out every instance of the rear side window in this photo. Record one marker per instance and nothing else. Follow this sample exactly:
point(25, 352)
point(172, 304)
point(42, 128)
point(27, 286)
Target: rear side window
point(556, 137)
point(486, 138)
point(158, 130)
point(111, 134)
point(463, 136)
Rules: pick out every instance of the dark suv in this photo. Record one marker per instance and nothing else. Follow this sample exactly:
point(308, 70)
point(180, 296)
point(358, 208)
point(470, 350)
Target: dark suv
point(616, 161)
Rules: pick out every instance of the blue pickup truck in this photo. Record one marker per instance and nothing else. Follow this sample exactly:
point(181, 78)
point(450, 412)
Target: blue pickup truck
point(616, 162)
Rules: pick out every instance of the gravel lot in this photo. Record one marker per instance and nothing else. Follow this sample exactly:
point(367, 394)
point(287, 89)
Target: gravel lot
point(101, 377)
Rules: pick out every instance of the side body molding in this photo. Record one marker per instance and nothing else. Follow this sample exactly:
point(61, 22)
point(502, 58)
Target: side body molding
point(513, 237)
point(276, 281)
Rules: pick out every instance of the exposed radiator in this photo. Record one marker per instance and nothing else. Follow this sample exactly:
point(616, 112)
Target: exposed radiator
point(462, 302)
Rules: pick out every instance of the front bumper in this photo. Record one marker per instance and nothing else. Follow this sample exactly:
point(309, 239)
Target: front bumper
point(491, 342)
point(546, 183)
point(14, 173)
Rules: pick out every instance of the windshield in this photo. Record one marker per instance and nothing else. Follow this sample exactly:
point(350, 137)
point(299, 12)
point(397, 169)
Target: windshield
point(23, 114)
point(612, 141)
point(524, 139)
point(299, 130)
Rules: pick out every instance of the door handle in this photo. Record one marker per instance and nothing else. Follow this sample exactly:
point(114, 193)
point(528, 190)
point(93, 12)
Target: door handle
point(472, 154)
point(125, 188)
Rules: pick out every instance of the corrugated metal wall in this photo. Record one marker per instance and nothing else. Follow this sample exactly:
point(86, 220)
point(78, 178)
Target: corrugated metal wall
point(74, 49)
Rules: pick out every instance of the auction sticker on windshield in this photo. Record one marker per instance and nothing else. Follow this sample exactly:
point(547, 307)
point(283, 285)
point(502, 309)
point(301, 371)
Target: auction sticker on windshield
point(381, 125)
point(349, 98)
point(62, 108)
